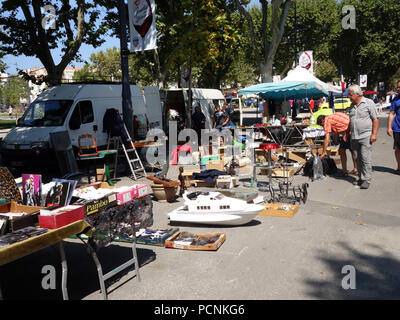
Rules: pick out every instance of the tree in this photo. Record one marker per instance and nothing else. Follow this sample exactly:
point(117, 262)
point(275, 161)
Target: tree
point(3, 66)
point(265, 43)
point(106, 66)
point(76, 23)
point(372, 48)
point(14, 91)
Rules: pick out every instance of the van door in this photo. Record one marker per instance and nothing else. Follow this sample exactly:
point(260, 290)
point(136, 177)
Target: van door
point(82, 121)
point(153, 106)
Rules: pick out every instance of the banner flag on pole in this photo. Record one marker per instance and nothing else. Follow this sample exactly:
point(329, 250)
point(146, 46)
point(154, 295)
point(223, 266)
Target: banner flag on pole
point(363, 81)
point(142, 25)
point(306, 61)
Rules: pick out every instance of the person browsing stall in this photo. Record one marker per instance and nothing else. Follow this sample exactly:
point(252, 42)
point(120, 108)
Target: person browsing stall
point(337, 123)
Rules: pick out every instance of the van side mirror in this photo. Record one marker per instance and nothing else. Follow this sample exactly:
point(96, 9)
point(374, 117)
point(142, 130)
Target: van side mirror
point(19, 121)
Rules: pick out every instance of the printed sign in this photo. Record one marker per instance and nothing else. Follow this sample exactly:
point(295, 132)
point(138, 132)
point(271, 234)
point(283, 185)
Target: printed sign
point(142, 25)
point(306, 61)
point(363, 80)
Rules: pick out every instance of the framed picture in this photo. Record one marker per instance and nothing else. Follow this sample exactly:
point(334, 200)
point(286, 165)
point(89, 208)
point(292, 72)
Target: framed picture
point(31, 189)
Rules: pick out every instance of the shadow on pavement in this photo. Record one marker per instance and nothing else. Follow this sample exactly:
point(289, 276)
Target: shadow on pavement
point(377, 275)
point(21, 279)
point(384, 169)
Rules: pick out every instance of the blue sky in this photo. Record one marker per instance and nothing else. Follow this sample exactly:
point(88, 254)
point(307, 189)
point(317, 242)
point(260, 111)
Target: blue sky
point(22, 62)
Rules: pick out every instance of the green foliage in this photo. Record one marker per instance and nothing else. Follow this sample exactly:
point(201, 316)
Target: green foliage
point(372, 48)
point(326, 71)
point(3, 66)
point(24, 34)
point(14, 90)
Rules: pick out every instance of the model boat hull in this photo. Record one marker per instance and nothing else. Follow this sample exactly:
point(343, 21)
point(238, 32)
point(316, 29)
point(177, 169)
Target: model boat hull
point(213, 218)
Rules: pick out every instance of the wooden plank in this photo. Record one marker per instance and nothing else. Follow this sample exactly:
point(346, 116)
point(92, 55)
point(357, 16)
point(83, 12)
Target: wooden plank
point(166, 183)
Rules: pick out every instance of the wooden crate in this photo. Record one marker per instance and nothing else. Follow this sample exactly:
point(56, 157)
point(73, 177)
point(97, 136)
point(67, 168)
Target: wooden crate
point(30, 219)
point(171, 242)
point(282, 173)
point(277, 210)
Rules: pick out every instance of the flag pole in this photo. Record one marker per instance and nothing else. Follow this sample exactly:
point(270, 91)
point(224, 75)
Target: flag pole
point(127, 110)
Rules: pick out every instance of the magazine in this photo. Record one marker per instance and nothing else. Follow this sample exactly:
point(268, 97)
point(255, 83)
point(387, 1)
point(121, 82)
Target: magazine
point(31, 189)
point(3, 224)
point(58, 195)
point(72, 185)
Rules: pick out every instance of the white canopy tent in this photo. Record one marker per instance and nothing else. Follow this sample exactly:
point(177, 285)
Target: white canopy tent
point(301, 74)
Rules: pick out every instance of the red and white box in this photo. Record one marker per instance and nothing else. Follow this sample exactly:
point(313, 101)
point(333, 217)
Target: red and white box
point(135, 191)
point(142, 190)
point(59, 217)
point(125, 194)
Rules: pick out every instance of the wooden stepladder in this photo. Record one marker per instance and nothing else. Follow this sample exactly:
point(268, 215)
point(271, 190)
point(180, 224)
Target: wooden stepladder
point(130, 154)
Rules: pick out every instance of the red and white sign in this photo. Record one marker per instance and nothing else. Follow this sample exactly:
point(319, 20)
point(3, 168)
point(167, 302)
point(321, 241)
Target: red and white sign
point(142, 25)
point(363, 80)
point(306, 61)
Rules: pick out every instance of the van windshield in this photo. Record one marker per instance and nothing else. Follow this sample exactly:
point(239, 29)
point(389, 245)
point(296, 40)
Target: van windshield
point(48, 113)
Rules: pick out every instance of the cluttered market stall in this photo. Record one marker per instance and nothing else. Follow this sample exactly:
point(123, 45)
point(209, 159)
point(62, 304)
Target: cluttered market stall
point(234, 175)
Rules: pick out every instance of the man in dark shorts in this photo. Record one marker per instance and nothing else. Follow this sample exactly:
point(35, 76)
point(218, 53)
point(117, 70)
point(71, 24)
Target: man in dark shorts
point(393, 127)
point(343, 146)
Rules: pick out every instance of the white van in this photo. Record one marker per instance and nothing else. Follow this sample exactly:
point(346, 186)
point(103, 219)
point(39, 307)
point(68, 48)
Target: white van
point(78, 109)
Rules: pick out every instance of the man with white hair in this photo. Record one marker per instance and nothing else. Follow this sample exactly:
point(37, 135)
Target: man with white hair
point(364, 124)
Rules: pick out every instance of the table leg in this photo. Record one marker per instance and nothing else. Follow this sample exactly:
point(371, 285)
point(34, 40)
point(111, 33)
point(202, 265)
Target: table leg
point(64, 271)
point(100, 273)
point(135, 255)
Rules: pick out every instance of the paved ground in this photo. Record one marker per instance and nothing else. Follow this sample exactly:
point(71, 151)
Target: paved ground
point(270, 258)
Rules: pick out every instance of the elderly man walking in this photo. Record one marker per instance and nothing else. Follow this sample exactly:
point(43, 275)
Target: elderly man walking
point(364, 124)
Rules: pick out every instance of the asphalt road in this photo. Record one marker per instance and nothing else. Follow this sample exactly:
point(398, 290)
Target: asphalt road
point(269, 258)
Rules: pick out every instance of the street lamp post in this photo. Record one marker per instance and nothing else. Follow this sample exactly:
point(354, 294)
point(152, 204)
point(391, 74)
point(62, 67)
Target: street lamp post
point(127, 110)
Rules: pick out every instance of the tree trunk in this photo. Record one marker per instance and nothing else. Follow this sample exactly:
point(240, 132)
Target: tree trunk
point(266, 71)
point(279, 13)
point(54, 75)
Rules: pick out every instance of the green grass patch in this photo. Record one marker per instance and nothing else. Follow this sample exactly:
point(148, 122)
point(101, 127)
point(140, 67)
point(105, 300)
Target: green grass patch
point(5, 124)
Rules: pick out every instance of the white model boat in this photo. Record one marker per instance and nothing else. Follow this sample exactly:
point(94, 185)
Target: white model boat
point(214, 208)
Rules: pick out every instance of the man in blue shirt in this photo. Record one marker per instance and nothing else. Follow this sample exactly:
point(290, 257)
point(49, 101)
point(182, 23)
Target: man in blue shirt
point(393, 127)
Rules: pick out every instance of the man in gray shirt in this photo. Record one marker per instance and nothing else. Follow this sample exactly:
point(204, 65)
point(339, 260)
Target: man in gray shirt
point(364, 124)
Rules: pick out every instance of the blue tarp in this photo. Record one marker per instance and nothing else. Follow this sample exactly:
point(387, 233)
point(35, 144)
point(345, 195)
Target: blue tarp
point(286, 90)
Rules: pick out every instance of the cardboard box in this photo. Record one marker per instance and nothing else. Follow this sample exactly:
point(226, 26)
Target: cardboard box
point(282, 173)
point(137, 191)
point(69, 214)
point(215, 165)
point(16, 223)
point(332, 151)
point(172, 242)
point(279, 210)
point(298, 156)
